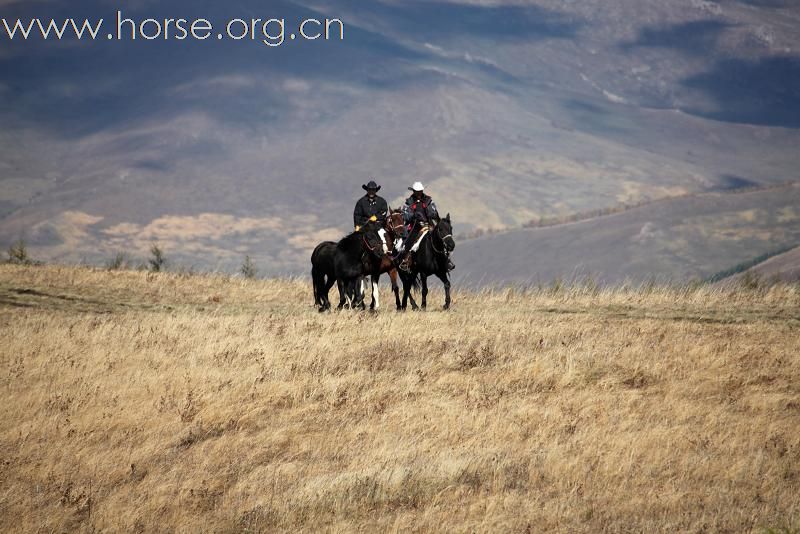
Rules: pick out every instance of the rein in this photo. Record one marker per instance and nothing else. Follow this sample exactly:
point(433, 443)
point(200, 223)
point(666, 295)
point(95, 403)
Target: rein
point(366, 243)
point(444, 250)
point(392, 229)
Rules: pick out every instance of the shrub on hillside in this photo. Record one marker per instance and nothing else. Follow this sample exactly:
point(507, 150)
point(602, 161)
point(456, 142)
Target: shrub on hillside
point(157, 261)
point(18, 254)
point(248, 268)
point(117, 262)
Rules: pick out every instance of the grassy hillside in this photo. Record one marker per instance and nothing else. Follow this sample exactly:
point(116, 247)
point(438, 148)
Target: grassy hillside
point(784, 266)
point(140, 402)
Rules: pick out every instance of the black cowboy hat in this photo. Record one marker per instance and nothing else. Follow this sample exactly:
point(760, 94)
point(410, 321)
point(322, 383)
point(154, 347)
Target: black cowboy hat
point(371, 185)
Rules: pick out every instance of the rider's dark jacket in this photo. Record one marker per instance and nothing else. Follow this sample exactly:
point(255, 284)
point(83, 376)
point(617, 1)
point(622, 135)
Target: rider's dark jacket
point(367, 207)
point(423, 210)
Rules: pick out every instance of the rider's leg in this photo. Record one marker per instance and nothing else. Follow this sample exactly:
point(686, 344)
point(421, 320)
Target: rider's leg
point(404, 257)
point(405, 242)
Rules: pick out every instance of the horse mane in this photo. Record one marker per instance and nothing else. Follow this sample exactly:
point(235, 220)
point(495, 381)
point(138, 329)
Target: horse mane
point(350, 243)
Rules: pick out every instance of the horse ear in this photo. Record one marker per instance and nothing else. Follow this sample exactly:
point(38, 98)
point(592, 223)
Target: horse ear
point(447, 217)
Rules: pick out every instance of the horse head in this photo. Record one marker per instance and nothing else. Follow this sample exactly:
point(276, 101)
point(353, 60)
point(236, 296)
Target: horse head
point(394, 223)
point(444, 231)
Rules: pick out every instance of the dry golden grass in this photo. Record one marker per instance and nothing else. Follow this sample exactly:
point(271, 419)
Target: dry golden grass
point(143, 402)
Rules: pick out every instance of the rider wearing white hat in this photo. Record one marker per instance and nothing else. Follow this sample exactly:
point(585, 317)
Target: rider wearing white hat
point(419, 212)
point(419, 206)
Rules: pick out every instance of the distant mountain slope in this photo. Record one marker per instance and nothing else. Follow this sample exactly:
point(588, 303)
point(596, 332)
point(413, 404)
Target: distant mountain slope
point(678, 239)
point(506, 110)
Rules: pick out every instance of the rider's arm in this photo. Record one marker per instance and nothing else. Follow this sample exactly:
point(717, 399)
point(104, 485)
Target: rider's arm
point(407, 216)
point(383, 212)
point(433, 213)
point(358, 215)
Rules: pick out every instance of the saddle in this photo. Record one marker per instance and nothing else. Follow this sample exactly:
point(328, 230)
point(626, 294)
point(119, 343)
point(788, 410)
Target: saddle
point(405, 265)
point(425, 228)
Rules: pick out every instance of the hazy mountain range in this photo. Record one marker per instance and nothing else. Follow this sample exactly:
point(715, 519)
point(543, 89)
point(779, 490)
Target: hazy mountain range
point(507, 110)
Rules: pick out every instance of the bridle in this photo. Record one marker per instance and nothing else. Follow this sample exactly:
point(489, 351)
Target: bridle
point(444, 250)
point(394, 229)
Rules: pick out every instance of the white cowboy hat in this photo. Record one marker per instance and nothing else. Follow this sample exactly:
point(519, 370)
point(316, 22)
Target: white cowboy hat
point(417, 187)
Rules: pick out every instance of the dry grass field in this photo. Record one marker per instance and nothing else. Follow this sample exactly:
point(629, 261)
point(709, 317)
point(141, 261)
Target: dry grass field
point(158, 402)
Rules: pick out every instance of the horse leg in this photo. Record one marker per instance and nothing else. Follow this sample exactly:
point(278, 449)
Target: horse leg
point(318, 281)
point(395, 289)
point(326, 290)
point(357, 293)
point(445, 278)
point(361, 292)
point(413, 302)
point(342, 294)
point(375, 304)
point(349, 289)
point(411, 297)
point(424, 281)
point(406, 292)
point(322, 284)
point(321, 294)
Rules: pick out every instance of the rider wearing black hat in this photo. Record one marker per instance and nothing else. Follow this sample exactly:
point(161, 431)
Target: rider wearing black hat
point(370, 207)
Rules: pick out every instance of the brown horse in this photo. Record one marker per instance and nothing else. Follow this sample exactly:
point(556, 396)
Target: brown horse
point(393, 228)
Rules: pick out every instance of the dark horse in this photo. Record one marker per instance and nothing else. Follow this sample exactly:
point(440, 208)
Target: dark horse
point(430, 259)
point(323, 274)
point(367, 253)
point(357, 255)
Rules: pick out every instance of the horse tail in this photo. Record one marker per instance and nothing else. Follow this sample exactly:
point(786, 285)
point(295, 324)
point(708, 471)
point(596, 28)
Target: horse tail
point(317, 277)
point(316, 282)
point(415, 281)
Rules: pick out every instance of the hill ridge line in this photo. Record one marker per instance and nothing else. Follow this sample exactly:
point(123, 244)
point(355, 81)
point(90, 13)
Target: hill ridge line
point(584, 216)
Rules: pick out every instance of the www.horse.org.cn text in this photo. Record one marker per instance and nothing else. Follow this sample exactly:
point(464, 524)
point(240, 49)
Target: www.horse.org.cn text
point(271, 32)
